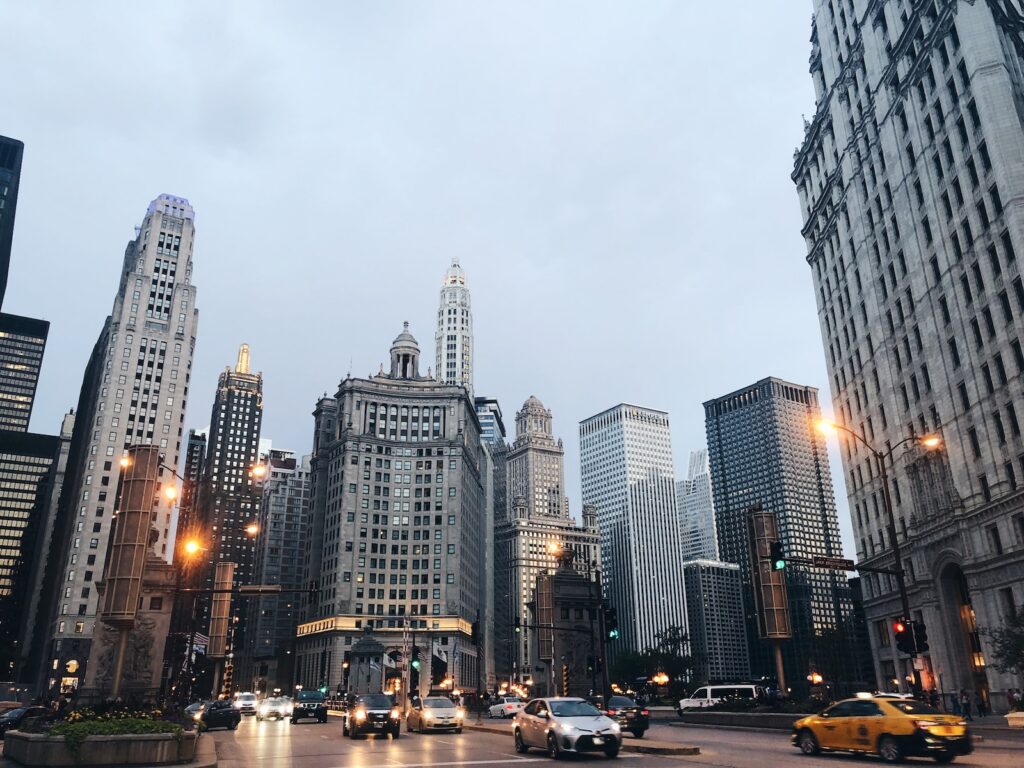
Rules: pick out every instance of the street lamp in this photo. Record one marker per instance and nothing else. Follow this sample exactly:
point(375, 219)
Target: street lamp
point(930, 442)
point(252, 529)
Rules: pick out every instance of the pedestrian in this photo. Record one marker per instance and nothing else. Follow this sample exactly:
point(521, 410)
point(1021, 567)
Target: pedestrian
point(955, 701)
point(965, 704)
point(933, 699)
point(979, 704)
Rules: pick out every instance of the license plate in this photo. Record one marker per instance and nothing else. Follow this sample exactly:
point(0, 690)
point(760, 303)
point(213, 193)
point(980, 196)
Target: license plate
point(378, 725)
point(947, 730)
point(599, 740)
point(630, 715)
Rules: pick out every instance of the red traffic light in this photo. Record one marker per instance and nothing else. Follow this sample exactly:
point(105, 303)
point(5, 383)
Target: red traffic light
point(899, 627)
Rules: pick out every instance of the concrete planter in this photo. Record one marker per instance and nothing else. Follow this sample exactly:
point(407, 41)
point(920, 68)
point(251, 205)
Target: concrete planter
point(1015, 719)
point(33, 749)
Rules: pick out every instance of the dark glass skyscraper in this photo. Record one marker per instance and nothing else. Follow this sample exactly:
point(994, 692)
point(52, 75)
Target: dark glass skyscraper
point(22, 342)
point(11, 151)
point(764, 449)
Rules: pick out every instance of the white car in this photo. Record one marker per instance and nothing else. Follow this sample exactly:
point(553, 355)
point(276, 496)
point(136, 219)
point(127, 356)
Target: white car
point(246, 703)
point(560, 725)
point(507, 706)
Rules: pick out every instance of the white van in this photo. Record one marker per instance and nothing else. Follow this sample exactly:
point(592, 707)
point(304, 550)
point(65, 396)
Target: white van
point(712, 694)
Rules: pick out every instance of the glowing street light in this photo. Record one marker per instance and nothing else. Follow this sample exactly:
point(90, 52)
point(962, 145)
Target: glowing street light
point(252, 529)
point(171, 492)
point(191, 547)
point(258, 471)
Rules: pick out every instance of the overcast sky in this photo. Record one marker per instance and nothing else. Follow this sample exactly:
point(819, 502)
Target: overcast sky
point(614, 178)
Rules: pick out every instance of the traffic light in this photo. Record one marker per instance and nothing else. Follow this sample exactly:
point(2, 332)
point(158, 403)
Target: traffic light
point(904, 636)
point(920, 637)
point(611, 623)
point(590, 665)
point(313, 590)
point(776, 555)
point(519, 625)
point(323, 689)
point(415, 664)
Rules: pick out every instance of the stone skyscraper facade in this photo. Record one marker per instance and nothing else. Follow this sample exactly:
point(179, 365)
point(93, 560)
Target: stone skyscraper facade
point(626, 465)
point(764, 449)
point(137, 396)
point(454, 336)
point(536, 526)
point(696, 505)
point(715, 618)
point(908, 178)
point(396, 534)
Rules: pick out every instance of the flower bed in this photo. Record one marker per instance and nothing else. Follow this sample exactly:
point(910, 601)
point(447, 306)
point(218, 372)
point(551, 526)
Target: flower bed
point(118, 741)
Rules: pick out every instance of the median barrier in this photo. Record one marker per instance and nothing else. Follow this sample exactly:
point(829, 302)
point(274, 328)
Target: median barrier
point(38, 749)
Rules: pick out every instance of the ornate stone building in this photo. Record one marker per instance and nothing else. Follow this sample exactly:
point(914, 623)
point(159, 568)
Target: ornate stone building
point(910, 179)
point(396, 538)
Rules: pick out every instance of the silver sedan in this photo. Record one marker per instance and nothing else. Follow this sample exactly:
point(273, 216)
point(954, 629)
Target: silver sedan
point(560, 725)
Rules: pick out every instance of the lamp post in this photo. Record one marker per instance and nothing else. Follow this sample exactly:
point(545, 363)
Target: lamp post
point(930, 442)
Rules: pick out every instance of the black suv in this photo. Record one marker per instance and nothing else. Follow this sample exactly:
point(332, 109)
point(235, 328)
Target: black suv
point(628, 715)
point(371, 713)
point(309, 705)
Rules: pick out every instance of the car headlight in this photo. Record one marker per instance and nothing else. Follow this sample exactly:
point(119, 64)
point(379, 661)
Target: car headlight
point(459, 714)
point(197, 716)
point(566, 728)
point(395, 714)
point(360, 715)
point(615, 727)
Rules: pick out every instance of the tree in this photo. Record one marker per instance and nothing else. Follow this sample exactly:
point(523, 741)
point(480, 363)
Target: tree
point(671, 655)
point(1008, 643)
point(628, 666)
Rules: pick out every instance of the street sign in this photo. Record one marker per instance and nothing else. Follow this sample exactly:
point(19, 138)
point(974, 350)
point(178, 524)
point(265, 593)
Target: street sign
point(836, 563)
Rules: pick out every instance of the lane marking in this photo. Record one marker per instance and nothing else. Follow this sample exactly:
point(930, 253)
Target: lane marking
point(510, 759)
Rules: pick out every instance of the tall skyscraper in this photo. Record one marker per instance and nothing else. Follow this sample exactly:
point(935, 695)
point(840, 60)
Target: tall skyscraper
point(229, 492)
point(715, 617)
point(696, 507)
point(22, 342)
point(764, 449)
point(11, 151)
point(280, 547)
point(528, 539)
point(494, 624)
point(906, 179)
point(454, 337)
point(626, 464)
point(146, 346)
point(396, 530)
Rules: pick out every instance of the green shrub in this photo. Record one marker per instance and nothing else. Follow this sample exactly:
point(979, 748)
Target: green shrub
point(74, 733)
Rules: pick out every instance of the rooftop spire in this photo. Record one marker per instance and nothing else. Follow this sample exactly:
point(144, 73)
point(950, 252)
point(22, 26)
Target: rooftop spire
point(242, 366)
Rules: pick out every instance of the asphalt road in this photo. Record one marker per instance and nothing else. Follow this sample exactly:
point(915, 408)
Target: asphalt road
point(281, 745)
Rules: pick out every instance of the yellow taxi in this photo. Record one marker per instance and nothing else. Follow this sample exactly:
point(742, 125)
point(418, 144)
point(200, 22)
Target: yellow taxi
point(892, 728)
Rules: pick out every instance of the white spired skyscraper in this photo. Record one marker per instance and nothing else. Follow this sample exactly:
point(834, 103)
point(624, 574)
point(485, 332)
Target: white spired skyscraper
point(454, 335)
point(697, 510)
point(626, 464)
point(147, 343)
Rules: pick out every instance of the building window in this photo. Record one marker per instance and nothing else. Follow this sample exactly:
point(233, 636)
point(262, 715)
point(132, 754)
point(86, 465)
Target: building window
point(156, 603)
point(995, 540)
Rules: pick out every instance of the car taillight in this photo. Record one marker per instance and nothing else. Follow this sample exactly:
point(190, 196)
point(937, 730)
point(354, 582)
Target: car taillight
point(925, 723)
point(645, 712)
point(613, 711)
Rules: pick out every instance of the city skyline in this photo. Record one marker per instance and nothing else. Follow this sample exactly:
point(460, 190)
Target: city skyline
point(562, 263)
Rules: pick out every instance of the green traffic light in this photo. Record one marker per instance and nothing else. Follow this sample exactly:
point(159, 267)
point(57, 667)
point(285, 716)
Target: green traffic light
point(416, 664)
point(779, 565)
point(613, 634)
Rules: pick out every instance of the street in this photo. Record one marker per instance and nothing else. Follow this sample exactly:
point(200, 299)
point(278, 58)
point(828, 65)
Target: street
point(278, 744)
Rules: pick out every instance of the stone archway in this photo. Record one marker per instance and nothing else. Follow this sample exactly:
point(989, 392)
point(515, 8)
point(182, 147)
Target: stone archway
point(960, 631)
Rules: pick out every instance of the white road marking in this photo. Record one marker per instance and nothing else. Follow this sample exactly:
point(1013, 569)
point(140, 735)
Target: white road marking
point(506, 761)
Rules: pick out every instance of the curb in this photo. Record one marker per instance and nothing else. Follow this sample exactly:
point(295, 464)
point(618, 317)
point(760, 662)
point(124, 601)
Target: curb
point(206, 753)
point(644, 747)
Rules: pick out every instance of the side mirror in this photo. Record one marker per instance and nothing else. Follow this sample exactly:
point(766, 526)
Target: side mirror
point(543, 715)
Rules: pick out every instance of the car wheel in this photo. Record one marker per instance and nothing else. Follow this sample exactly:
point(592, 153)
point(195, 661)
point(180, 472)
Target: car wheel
point(639, 732)
point(521, 747)
point(344, 727)
point(612, 750)
point(397, 733)
point(458, 730)
point(233, 726)
point(554, 752)
point(408, 725)
point(944, 757)
point(889, 750)
point(292, 720)
point(808, 743)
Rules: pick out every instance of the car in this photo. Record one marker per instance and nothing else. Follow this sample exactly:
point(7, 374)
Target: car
point(195, 706)
point(435, 713)
point(371, 713)
point(309, 705)
point(890, 728)
point(506, 706)
point(219, 714)
point(709, 695)
point(277, 707)
point(12, 718)
point(628, 715)
point(563, 724)
point(246, 703)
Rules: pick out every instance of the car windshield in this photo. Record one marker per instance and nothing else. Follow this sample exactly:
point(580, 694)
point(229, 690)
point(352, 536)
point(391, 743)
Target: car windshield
point(375, 701)
point(911, 707)
point(512, 699)
point(573, 709)
point(274, 702)
point(18, 712)
point(310, 696)
point(620, 701)
point(439, 703)
point(247, 697)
